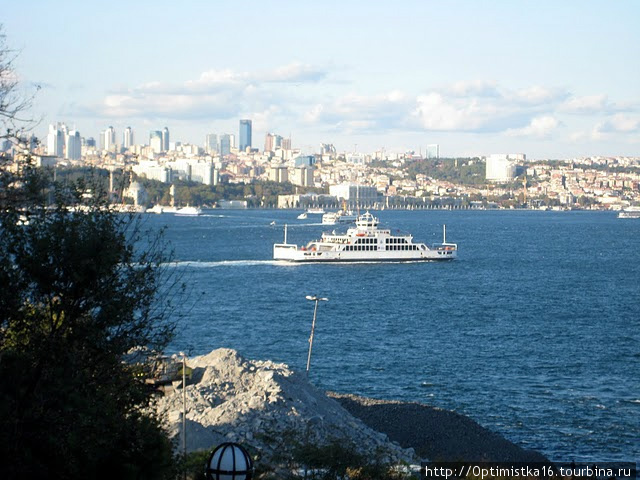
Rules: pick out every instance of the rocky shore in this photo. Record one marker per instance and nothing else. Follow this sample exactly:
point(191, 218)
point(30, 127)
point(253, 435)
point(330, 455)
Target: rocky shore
point(270, 408)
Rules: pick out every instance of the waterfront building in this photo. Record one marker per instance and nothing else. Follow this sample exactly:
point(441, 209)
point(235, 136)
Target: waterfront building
point(73, 145)
point(127, 138)
point(245, 135)
point(355, 194)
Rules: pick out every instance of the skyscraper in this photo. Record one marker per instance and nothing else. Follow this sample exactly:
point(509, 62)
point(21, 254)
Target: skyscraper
point(165, 139)
point(211, 143)
point(108, 138)
point(245, 135)
point(225, 144)
point(73, 145)
point(55, 141)
point(127, 138)
point(156, 140)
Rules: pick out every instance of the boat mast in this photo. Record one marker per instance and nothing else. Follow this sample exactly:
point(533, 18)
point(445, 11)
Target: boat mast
point(444, 234)
point(285, 233)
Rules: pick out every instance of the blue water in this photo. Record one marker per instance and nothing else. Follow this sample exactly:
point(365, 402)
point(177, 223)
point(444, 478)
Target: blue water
point(533, 331)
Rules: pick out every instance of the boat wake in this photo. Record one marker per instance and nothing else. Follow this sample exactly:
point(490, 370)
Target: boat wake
point(221, 263)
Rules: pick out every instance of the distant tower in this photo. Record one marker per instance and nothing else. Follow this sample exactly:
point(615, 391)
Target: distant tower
point(127, 138)
point(73, 145)
point(155, 140)
point(211, 143)
point(245, 135)
point(55, 141)
point(108, 139)
point(165, 139)
point(225, 144)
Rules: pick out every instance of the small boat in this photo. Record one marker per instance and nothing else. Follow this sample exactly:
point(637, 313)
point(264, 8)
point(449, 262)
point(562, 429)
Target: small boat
point(364, 243)
point(273, 223)
point(630, 212)
point(189, 211)
point(315, 211)
point(302, 216)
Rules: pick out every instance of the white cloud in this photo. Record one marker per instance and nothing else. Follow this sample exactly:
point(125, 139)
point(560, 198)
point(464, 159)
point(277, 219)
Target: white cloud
point(619, 124)
point(586, 104)
point(540, 127)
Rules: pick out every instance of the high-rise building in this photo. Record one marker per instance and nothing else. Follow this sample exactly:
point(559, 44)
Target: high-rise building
point(108, 138)
point(286, 143)
point(211, 143)
point(433, 151)
point(73, 145)
point(272, 142)
point(165, 139)
point(127, 138)
point(55, 141)
point(155, 140)
point(245, 135)
point(225, 144)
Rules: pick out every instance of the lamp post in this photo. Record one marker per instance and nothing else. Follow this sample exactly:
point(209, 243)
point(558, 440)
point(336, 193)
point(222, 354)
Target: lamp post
point(313, 324)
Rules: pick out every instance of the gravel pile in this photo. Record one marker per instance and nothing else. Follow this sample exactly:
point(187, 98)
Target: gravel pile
point(268, 408)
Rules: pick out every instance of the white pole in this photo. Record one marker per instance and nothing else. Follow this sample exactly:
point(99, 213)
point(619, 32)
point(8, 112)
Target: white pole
point(285, 233)
point(444, 234)
point(313, 327)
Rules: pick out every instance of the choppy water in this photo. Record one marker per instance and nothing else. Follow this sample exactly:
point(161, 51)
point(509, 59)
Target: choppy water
point(534, 331)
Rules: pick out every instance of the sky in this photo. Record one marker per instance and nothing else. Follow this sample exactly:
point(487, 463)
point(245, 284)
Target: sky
point(548, 78)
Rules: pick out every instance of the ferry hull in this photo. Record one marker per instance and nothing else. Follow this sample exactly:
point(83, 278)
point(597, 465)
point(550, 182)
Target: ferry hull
point(291, 253)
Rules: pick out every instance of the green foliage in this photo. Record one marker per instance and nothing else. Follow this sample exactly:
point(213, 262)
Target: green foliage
point(466, 171)
point(82, 298)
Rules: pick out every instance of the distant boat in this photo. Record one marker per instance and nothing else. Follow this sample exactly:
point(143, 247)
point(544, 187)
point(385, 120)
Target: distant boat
point(364, 242)
point(189, 211)
point(630, 212)
point(273, 223)
point(315, 211)
point(341, 216)
point(302, 216)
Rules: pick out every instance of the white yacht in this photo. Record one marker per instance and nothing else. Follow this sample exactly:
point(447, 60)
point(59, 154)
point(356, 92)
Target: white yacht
point(189, 211)
point(630, 212)
point(364, 242)
point(302, 216)
point(341, 216)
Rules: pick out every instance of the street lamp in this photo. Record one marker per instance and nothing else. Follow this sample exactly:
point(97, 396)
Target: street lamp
point(229, 461)
point(313, 325)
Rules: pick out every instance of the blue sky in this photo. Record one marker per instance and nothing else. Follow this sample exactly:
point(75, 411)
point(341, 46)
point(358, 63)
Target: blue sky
point(552, 79)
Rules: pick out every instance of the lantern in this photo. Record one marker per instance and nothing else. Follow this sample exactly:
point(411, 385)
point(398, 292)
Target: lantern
point(229, 461)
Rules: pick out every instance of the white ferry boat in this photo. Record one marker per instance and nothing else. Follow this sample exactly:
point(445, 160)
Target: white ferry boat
point(191, 211)
point(629, 212)
point(341, 216)
point(364, 242)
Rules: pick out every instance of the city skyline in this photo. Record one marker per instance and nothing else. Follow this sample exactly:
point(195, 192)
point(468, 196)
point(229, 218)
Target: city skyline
point(552, 80)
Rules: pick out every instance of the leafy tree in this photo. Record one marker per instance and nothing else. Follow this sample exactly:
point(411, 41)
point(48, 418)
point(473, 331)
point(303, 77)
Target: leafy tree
point(79, 295)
